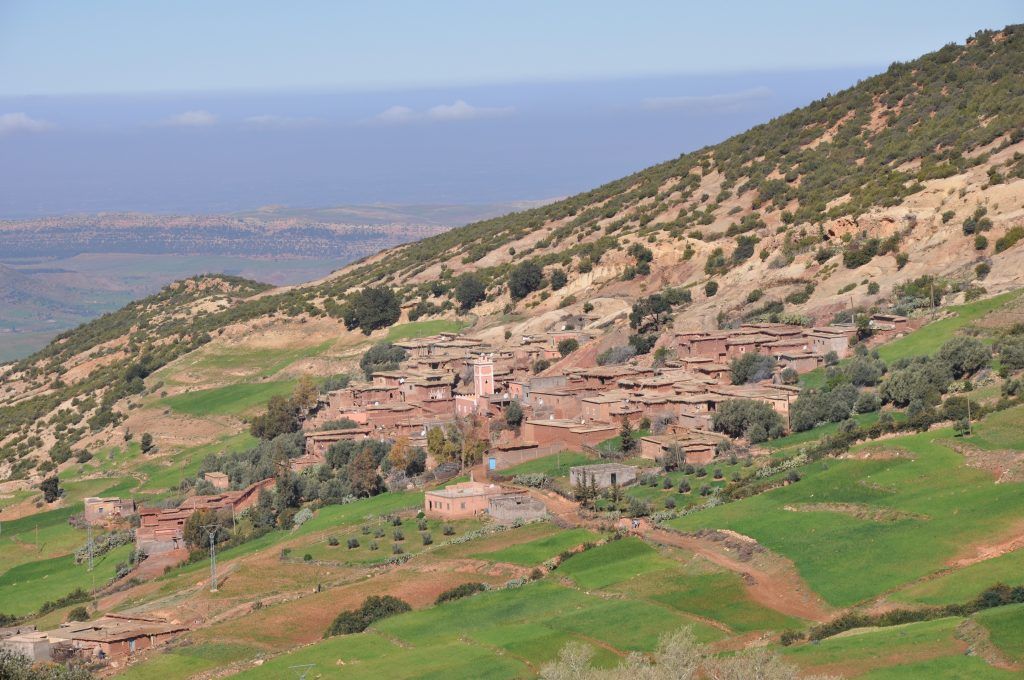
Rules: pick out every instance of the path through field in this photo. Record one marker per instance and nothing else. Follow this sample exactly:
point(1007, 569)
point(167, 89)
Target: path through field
point(772, 582)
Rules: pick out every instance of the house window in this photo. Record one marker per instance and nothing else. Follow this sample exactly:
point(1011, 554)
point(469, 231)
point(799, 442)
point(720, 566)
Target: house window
point(463, 505)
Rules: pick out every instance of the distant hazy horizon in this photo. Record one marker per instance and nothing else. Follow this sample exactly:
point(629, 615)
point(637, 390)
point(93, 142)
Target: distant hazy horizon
point(202, 153)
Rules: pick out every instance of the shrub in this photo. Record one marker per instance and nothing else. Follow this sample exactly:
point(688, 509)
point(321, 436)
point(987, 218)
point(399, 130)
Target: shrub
point(1010, 239)
point(469, 291)
point(374, 608)
point(381, 357)
point(744, 417)
point(558, 279)
point(460, 591)
point(567, 346)
point(964, 355)
point(333, 541)
point(980, 242)
point(352, 543)
point(790, 376)
point(710, 288)
point(78, 614)
point(524, 279)
point(426, 537)
point(751, 367)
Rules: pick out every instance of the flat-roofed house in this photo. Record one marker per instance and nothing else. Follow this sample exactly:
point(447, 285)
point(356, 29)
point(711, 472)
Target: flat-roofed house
point(101, 510)
point(555, 433)
point(603, 475)
point(460, 501)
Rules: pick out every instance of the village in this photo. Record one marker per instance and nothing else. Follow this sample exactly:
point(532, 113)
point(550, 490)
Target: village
point(450, 379)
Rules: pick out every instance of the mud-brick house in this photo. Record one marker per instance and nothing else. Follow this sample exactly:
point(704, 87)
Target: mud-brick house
point(603, 475)
point(555, 434)
point(102, 510)
point(319, 442)
point(738, 345)
point(710, 345)
point(116, 636)
point(556, 402)
point(460, 501)
point(799, 361)
point(831, 339)
point(889, 323)
point(515, 507)
point(32, 644)
point(697, 448)
point(611, 407)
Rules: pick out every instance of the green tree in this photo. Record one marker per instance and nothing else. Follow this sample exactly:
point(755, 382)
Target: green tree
point(362, 474)
point(372, 308)
point(755, 420)
point(514, 413)
point(751, 367)
point(146, 443)
point(568, 346)
point(470, 291)
point(51, 489)
point(524, 279)
point(628, 436)
point(381, 357)
point(650, 314)
point(558, 279)
point(281, 417)
point(964, 355)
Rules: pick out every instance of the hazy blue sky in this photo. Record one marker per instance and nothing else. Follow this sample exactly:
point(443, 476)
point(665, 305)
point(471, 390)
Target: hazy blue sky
point(65, 46)
point(204, 105)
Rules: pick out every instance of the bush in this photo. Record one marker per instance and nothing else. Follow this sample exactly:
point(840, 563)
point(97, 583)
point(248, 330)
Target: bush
point(567, 346)
point(374, 608)
point(964, 355)
point(744, 417)
point(460, 591)
point(558, 279)
point(352, 543)
point(710, 288)
point(751, 367)
point(980, 242)
point(514, 413)
point(448, 530)
point(789, 376)
point(524, 279)
point(469, 291)
point(381, 357)
point(426, 537)
point(372, 308)
point(333, 541)
point(78, 614)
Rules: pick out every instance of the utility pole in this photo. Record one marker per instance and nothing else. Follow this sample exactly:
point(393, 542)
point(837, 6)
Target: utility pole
point(970, 429)
point(211, 531)
point(931, 296)
point(90, 546)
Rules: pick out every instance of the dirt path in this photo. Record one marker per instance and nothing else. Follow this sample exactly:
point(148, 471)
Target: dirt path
point(773, 582)
point(775, 585)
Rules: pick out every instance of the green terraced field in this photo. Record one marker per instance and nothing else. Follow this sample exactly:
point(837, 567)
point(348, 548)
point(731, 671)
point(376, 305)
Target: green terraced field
point(536, 551)
point(847, 559)
point(228, 400)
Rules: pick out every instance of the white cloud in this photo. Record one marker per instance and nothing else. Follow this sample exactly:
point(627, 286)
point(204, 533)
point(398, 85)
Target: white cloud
point(396, 114)
point(198, 118)
point(11, 123)
point(273, 121)
point(459, 110)
point(718, 103)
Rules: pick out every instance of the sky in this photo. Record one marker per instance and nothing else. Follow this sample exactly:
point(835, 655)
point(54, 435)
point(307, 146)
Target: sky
point(198, 106)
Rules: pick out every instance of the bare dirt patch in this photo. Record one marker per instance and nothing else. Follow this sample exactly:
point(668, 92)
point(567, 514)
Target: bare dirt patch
point(1005, 465)
point(977, 638)
point(980, 552)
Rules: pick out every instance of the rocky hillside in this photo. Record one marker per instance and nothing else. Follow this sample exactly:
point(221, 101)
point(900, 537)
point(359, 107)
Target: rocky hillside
point(839, 207)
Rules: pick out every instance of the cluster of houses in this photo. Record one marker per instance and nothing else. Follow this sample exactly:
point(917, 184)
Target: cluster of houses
point(112, 637)
point(450, 376)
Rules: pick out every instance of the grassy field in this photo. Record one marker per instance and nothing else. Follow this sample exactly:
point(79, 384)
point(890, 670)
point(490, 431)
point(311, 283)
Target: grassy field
point(814, 434)
point(251, 362)
point(612, 563)
point(187, 660)
point(167, 472)
point(847, 558)
point(918, 650)
point(534, 552)
point(411, 542)
point(25, 587)
point(556, 465)
point(964, 584)
point(1005, 627)
point(1001, 430)
point(228, 400)
point(717, 595)
point(39, 537)
point(422, 329)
